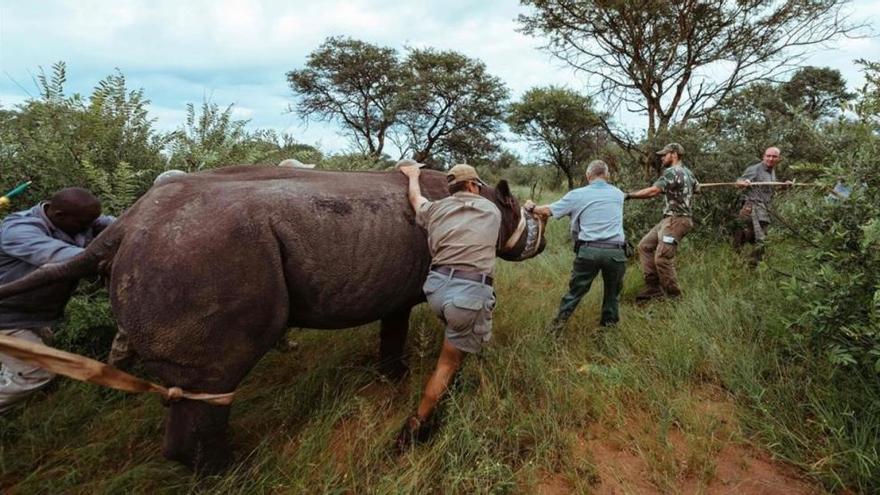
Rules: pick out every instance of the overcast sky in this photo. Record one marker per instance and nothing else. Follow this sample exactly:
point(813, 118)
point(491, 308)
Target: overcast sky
point(236, 51)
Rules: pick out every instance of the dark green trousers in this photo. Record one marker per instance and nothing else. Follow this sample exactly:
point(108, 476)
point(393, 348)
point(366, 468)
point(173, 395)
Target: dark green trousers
point(587, 264)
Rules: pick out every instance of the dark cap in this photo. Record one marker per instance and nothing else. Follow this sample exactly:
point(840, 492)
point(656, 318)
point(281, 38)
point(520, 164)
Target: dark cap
point(672, 147)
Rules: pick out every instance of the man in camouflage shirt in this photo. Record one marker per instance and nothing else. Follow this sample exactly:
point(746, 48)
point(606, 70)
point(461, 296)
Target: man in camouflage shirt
point(754, 216)
point(657, 248)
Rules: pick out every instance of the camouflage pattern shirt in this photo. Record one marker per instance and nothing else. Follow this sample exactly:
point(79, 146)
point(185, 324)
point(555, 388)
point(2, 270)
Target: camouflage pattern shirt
point(678, 185)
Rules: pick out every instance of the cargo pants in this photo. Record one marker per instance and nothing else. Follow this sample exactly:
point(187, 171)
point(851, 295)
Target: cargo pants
point(657, 253)
point(465, 307)
point(588, 263)
point(17, 378)
point(751, 228)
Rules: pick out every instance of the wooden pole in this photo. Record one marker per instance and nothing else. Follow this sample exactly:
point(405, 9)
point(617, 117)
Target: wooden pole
point(771, 184)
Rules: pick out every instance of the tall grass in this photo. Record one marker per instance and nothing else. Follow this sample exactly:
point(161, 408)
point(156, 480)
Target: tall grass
point(672, 385)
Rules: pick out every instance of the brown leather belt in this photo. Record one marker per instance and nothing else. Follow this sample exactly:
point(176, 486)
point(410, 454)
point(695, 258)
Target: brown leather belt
point(456, 273)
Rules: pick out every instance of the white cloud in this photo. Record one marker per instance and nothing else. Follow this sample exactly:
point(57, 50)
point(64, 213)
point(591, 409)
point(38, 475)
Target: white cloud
point(238, 51)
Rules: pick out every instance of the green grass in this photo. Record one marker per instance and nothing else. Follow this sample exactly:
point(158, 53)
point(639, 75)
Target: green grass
point(673, 386)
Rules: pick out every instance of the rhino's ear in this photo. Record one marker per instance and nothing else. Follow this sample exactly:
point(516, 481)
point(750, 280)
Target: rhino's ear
point(505, 197)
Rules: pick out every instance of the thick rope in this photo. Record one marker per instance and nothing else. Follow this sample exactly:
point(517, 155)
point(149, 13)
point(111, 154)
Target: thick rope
point(88, 370)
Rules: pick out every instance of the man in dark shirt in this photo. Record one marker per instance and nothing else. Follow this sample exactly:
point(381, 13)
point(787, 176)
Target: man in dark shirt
point(754, 215)
point(50, 232)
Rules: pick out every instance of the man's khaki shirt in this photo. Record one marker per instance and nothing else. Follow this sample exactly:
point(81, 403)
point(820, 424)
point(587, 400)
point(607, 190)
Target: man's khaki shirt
point(462, 231)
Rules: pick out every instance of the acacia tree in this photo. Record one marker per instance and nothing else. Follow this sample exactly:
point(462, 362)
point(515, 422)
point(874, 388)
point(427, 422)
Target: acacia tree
point(434, 105)
point(561, 125)
point(790, 115)
point(816, 91)
point(674, 61)
point(451, 106)
point(354, 83)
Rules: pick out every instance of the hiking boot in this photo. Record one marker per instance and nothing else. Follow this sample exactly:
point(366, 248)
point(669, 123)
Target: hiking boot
point(413, 431)
point(649, 293)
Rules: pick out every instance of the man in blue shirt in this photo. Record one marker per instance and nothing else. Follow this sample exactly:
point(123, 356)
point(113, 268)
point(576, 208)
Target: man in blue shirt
point(596, 213)
point(50, 232)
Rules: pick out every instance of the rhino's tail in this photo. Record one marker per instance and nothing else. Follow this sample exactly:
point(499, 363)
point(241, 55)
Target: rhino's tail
point(88, 262)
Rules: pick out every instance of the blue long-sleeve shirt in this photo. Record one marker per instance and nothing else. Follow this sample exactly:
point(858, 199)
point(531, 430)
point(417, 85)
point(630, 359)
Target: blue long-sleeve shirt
point(28, 240)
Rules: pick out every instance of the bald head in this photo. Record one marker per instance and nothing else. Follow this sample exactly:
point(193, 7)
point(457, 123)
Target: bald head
point(772, 156)
point(73, 210)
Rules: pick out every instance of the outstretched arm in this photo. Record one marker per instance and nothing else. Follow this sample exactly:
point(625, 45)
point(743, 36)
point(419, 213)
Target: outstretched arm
point(414, 192)
point(542, 211)
point(646, 193)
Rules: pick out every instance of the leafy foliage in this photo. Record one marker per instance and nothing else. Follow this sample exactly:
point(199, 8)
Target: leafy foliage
point(836, 295)
point(59, 141)
point(88, 327)
point(562, 126)
point(209, 138)
point(816, 91)
point(438, 106)
point(675, 61)
point(355, 83)
point(451, 107)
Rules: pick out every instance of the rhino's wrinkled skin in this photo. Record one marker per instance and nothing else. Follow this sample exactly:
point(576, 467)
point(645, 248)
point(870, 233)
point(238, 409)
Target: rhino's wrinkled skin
point(209, 269)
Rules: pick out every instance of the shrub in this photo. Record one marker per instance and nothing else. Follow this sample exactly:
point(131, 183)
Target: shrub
point(835, 292)
point(88, 327)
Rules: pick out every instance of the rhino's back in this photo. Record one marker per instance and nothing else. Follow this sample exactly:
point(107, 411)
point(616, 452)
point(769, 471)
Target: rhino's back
point(346, 243)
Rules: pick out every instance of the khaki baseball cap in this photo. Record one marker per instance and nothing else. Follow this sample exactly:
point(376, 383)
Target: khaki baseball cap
point(672, 147)
point(462, 173)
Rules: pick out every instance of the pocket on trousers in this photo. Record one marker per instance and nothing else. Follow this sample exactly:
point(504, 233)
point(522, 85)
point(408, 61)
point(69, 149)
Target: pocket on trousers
point(433, 283)
point(483, 323)
point(462, 313)
point(619, 257)
point(465, 302)
point(665, 250)
point(675, 229)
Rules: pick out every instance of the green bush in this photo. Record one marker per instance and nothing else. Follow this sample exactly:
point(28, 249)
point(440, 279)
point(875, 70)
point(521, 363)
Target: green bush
point(88, 326)
point(835, 295)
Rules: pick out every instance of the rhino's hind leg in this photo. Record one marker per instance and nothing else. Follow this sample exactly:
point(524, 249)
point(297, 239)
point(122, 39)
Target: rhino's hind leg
point(196, 435)
point(392, 340)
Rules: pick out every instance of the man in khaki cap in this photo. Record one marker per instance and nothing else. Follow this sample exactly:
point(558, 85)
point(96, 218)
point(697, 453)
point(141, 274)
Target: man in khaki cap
point(462, 233)
point(657, 249)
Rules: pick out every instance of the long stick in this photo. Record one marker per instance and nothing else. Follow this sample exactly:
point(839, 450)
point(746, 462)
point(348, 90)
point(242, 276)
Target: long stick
point(88, 370)
point(773, 184)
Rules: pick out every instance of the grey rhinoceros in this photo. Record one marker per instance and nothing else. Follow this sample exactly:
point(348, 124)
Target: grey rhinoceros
point(206, 272)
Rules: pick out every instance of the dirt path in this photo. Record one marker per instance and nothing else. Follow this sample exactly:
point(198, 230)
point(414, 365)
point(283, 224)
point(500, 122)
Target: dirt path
point(638, 456)
point(736, 469)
